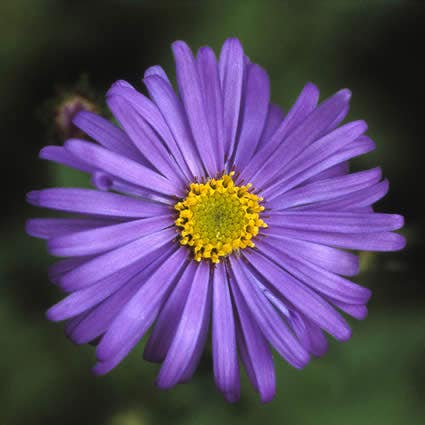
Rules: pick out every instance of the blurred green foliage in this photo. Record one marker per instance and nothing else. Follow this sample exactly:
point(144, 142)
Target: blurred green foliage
point(377, 377)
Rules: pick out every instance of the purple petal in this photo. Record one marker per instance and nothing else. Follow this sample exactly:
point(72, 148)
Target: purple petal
point(107, 134)
point(254, 111)
point(225, 358)
point(84, 299)
point(310, 335)
point(61, 156)
point(303, 106)
point(144, 137)
point(317, 153)
point(46, 228)
point(210, 82)
point(333, 166)
point(199, 348)
point(95, 241)
point(157, 71)
point(122, 167)
point(140, 312)
point(231, 66)
point(97, 320)
point(112, 261)
point(254, 351)
point(311, 129)
point(146, 108)
point(358, 199)
point(327, 189)
point(381, 241)
point(189, 331)
point(190, 91)
point(58, 269)
point(165, 327)
point(103, 367)
point(317, 278)
point(274, 118)
point(336, 222)
point(326, 257)
point(183, 148)
point(359, 312)
point(86, 201)
point(271, 324)
point(338, 169)
point(301, 297)
point(104, 181)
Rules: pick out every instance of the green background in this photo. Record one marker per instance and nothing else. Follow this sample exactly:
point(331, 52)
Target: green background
point(374, 48)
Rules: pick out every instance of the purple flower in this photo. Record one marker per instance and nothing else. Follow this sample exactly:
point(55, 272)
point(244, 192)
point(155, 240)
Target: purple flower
point(214, 209)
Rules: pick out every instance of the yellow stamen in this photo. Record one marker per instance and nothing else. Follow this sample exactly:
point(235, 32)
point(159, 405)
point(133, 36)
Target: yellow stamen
point(218, 217)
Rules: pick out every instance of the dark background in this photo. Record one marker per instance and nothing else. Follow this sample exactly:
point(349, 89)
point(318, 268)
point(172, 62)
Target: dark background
point(375, 48)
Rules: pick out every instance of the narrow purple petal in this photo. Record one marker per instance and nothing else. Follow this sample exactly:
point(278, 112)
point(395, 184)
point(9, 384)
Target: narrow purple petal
point(146, 108)
point(301, 297)
point(271, 324)
point(210, 82)
point(168, 320)
point(107, 134)
point(103, 367)
point(104, 181)
point(254, 111)
point(339, 169)
point(310, 335)
point(274, 118)
point(317, 278)
point(303, 106)
point(183, 148)
point(336, 222)
point(318, 152)
point(190, 91)
point(139, 313)
point(144, 137)
point(358, 199)
point(254, 351)
point(84, 299)
point(60, 155)
point(311, 129)
point(225, 358)
point(380, 241)
point(122, 167)
point(333, 166)
point(59, 268)
point(326, 257)
point(157, 71)
point(359, 312)
point(97, 320)
point(112, 261)
point(231, 66)
point(195, 358)
point(87, 201)
point(46, 228)
point(188, 333)
point(95, 241)
point(327, 189)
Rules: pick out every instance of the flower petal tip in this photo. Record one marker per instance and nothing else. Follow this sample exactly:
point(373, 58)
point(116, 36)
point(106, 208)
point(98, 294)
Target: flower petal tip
point(345, 94)
point(52, 315)
point(33, 197)
point(231, 397)
point(344, 335)
point(29, 228)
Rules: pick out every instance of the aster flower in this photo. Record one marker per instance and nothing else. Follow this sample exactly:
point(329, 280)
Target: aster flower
point(214, 208)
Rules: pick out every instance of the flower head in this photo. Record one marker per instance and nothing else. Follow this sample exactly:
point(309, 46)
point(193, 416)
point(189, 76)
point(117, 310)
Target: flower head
point(70, 106)
point(214, 208)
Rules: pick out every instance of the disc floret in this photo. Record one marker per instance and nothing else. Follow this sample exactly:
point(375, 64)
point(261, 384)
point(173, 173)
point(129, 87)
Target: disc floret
point(218, 217)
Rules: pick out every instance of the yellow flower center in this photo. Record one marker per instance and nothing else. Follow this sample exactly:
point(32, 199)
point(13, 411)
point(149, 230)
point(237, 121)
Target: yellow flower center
point(218, 217)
